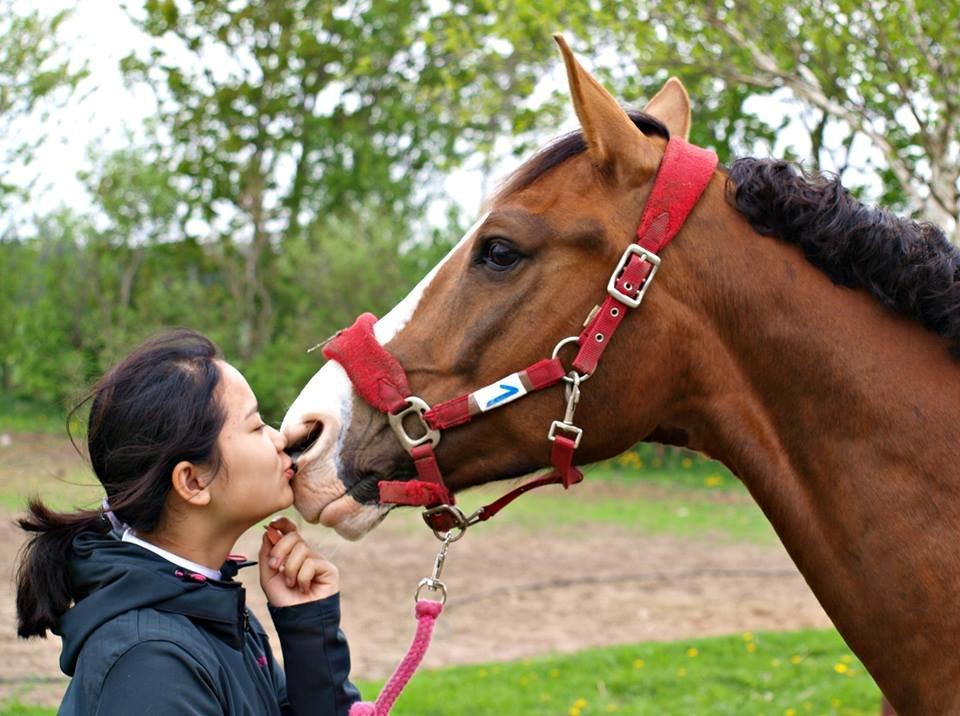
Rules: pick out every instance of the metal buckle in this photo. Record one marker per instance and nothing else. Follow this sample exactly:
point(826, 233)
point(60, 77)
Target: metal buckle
point(418, 406)
point(576, 432)
point(648, 256)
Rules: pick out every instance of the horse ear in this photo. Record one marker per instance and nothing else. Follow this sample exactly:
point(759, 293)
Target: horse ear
point(612, 138)
point(671, 105)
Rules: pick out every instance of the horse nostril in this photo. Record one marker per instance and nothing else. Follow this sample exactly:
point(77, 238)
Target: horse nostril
point(301, 446)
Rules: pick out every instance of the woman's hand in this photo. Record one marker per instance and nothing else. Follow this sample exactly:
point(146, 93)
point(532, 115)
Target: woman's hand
point(291, 572)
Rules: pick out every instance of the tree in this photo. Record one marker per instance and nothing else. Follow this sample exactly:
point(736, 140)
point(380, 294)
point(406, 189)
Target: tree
point(33, 77)
point(280, 112)
point(883, 76)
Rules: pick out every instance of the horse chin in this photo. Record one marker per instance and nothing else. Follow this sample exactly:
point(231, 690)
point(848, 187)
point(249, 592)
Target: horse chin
point(351, 519)
point(320, 496)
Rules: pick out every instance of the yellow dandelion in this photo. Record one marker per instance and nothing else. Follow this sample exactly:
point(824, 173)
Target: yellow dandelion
point(482, 673)
point(692, 652)
point(639, 663)
point(841, 668)
point(574, 711)
point(796, 659)
point(790, 712)
point(524, 680)
point(580, 703)
point(846, 658)
point(748, 636)
point(687, 463)
point(681, 671)
point(751, 647)
point(713, 480)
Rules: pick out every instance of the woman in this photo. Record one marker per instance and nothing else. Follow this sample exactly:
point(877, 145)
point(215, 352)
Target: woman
point(142, 592)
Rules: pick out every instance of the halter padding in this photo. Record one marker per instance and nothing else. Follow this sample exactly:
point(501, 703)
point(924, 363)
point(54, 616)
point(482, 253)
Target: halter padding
point(376, 375)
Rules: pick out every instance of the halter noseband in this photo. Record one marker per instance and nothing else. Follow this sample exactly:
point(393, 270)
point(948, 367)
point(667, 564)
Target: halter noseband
point(381, 381)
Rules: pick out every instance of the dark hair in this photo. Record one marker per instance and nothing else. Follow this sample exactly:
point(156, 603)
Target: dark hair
point(156, 407)
point(909, 266)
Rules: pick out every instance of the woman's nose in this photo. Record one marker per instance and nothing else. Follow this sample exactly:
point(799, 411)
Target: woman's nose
point(279, 439)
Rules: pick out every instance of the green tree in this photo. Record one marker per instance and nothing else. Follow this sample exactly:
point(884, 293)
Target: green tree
point(34, 76)
point(885, 77)
point(283, 111)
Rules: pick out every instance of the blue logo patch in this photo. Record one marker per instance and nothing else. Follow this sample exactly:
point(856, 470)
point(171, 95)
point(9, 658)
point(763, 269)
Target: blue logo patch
point(508, 392)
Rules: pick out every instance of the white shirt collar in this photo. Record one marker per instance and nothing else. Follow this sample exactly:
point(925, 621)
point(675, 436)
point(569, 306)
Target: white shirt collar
point(129, 536)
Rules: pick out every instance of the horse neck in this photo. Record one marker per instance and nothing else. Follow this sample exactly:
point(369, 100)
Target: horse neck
point(842, 419)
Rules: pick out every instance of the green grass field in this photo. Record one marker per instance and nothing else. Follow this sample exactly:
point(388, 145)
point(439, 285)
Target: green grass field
point(774, 674)
point(23, 417)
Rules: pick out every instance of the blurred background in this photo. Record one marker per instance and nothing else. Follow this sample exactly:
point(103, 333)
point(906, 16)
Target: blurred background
point(265, 171)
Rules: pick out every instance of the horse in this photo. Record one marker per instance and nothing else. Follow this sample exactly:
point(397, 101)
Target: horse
point(804, 340)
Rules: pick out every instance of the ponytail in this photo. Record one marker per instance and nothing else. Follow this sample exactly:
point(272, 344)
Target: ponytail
point(43, 583)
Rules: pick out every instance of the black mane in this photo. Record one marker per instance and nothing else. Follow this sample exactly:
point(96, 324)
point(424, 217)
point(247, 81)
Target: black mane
point(909, 266)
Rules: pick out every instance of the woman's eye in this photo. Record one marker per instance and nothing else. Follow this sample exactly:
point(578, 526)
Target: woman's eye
point(261, 426)
point(500, 255)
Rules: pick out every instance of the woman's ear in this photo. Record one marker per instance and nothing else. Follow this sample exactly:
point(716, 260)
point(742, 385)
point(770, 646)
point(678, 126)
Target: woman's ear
point(191, 483)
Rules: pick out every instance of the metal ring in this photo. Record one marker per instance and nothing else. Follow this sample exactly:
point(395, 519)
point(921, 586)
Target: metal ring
point(556, 351)
point(434, 585)
point(461, 521)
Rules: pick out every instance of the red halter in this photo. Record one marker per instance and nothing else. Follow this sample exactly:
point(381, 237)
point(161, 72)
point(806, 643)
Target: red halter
point(378, 377)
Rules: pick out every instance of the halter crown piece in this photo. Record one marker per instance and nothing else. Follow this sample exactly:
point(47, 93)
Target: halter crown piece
point(683, 176)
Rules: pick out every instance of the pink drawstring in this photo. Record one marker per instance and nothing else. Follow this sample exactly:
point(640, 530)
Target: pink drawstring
point(427, 612)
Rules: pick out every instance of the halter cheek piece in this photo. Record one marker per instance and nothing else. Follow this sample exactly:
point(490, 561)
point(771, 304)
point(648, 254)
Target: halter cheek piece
point(381, 381)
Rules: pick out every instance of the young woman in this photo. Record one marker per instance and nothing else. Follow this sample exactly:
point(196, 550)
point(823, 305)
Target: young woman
point(142, 591)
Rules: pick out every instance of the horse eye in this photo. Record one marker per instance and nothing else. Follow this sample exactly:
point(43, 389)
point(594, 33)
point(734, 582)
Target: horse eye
point(499, 255)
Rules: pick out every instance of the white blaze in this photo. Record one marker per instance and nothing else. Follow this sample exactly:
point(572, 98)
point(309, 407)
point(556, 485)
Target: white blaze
point(330, 391)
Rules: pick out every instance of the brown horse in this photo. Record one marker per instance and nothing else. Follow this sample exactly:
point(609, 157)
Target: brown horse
point(806, 341)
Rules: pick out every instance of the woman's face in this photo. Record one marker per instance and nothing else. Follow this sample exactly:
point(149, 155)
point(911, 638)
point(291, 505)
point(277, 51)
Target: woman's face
point(254, 478)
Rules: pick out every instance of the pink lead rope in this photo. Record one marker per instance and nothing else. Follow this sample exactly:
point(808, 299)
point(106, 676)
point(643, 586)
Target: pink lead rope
point(427, 612)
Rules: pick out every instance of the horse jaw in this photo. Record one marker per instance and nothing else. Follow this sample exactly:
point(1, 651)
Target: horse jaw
point(320, 492)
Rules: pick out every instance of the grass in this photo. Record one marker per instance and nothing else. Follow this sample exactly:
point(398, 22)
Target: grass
point(769, 673)
point(15, 708)
point(680, 510)
point(25, 417)
point(781, 674)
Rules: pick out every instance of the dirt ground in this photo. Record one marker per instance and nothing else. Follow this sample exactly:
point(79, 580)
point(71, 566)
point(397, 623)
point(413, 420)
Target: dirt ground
point(514, 592)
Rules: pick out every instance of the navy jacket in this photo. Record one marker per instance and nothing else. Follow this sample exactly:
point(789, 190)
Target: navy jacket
point(145, 637)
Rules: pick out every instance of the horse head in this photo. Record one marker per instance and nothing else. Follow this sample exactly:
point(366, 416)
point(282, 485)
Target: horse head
point(522, 279)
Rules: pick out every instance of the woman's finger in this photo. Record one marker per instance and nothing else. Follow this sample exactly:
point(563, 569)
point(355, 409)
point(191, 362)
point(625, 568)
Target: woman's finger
point(306, 574)
point(294, 560)
point(280, 551)
point(282, 524)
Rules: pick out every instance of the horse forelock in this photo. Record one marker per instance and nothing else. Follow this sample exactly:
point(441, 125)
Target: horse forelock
point(909, 266)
